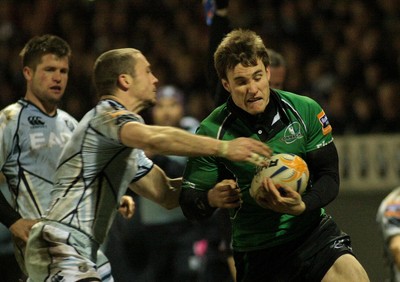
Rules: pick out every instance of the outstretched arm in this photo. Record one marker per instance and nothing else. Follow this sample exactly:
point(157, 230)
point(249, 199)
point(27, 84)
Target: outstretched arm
point(174, 141)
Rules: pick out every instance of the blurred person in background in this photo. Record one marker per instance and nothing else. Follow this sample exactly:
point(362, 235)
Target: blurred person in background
point(388, 101)
point(388, 219)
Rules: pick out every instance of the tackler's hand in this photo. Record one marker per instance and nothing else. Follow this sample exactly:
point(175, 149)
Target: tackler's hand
point(246, 149)
point(127, 206)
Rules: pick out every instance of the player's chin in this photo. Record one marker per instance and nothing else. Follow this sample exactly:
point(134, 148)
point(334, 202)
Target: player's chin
point(255, 108)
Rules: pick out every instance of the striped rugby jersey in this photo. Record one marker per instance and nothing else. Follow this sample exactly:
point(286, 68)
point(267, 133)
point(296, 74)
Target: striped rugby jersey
point(95, 170)
point(31, 144)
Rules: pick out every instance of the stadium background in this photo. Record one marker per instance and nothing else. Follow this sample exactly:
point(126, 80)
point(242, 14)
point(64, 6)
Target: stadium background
point(341, 53)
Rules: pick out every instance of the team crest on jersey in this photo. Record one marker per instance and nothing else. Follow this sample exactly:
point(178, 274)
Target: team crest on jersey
point(292, 133)
point(36, 121)
point(323, 119)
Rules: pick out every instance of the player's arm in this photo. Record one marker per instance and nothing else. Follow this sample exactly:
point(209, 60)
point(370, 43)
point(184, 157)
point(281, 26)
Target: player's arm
point(198, 205)
point(156, 186)
point(174, 141)
point(126, 206)
point(323, 164)
point(18, 226)
point(195, 205)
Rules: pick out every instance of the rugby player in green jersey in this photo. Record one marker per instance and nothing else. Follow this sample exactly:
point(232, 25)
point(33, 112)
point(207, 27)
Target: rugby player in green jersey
point(276, 237)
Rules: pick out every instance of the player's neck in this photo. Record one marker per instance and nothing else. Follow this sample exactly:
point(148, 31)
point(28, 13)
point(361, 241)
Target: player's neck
point(132, 105)
point(47, 107)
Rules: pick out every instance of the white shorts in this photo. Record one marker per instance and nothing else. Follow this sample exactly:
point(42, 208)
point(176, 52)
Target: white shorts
point(56, 252)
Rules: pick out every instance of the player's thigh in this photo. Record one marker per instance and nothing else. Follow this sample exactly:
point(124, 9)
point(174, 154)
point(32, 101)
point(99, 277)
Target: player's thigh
point(49, 256)
point(346, 268)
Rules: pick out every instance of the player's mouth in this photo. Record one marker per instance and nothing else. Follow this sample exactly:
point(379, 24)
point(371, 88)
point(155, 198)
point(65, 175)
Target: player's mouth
point(254, 99)
point(56, 89)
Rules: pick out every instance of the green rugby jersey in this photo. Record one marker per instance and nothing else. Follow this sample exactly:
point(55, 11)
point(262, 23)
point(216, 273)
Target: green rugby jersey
point(297, 125)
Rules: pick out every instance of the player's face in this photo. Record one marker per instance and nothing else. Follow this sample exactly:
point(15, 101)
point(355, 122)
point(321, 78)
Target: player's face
point(167, 111)
point(46, 84)
point(145, 83)
point(249, 87)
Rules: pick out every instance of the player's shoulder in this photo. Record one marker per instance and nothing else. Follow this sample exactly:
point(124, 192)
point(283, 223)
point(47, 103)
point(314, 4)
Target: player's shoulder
point(66, 116)
point(294, 98)
point(301, 104)
point(11, 112)
point(211, 124)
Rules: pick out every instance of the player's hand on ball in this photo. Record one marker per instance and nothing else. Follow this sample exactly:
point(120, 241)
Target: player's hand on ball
point(225, 194)
point(127, 207)
point(282, 200)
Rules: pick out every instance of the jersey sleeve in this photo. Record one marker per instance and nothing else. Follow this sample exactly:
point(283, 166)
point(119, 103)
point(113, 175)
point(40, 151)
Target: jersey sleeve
point(7, 118)
point(201, 173)
point(109, 123)
point(319, 129)
point(144, 165)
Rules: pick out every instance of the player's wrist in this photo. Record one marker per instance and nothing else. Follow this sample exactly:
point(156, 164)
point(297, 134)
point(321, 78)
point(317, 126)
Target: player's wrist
point(223, 148)
point(300, 208)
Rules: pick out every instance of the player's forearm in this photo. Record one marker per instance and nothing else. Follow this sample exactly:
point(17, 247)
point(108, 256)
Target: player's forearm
point(324, 165)
point(194, 205)
point(172, 141)
point(8, 216)
point(167, 140)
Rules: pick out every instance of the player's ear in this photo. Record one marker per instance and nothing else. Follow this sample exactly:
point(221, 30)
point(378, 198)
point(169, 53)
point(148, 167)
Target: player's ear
point(226, 85)
point(268, 71)
point(27, 72)
point(123, 81)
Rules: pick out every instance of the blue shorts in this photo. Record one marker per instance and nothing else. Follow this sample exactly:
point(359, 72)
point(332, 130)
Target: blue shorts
point(306, 259)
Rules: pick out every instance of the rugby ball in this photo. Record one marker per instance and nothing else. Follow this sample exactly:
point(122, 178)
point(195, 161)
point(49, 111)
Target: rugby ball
point(287, 170)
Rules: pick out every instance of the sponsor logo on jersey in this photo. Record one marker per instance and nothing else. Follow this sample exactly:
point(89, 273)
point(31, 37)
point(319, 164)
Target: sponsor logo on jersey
point(40, 140)
point(292, 133)
point(323, 119)
point(36, 121)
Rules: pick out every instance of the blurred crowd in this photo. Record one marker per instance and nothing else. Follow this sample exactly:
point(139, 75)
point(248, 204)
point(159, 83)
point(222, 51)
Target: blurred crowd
point(344, 54)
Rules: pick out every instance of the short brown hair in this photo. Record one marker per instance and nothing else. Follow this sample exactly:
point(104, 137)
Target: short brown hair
point(39, 46)
point(109, 66)
point(239, 46)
